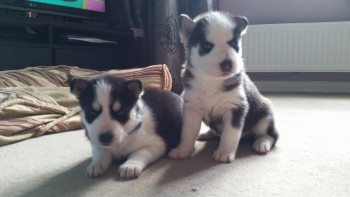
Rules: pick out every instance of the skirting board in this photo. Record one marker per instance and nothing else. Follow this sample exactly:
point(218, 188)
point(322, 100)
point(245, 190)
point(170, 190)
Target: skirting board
point(303, 86)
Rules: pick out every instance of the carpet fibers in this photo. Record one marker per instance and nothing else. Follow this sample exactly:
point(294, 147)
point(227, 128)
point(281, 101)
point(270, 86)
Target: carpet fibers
point(312, 158)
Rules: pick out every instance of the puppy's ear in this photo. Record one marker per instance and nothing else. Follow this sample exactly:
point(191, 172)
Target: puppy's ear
point(77, 86)
point(186, 27)
point(135, 86)
point(242, 24)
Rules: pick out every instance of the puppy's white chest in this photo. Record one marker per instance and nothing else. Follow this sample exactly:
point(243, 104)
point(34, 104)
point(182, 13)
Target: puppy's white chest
point(219, 104)
point(212, 101)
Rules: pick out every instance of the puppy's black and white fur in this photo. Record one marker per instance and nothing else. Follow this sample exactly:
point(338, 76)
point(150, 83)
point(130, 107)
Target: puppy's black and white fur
point(122, 121)
point(217, 89)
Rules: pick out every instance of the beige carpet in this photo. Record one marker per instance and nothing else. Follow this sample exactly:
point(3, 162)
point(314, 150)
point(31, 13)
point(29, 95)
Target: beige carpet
point(312, 158)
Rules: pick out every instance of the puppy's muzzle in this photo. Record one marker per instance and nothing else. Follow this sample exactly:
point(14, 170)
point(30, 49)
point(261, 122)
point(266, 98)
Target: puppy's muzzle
point(226, 66)
point(106, 138)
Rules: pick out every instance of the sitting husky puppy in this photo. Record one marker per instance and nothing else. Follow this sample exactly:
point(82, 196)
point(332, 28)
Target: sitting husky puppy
point(122, 122)
point(217, 89)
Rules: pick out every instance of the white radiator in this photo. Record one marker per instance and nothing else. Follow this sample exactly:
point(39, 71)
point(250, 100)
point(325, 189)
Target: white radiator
point(298, 47)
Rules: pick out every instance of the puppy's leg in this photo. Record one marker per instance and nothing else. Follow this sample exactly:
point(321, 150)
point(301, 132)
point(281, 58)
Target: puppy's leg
point(101, 160)
point(265, 135)
point(192, 119)
point(139, 159)
point(231, 134)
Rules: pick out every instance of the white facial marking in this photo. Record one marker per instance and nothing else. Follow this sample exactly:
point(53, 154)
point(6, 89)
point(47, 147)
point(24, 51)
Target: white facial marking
point(96, 106)
point(219, 32)
point(104, 122)
point(116, 106)
point(103, 90)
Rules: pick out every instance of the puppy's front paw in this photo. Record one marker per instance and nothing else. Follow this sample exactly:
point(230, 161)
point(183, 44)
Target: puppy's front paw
point(96, 169)
point(130, 170)
point(180, 153)
point(263, 144)
point(224, 156)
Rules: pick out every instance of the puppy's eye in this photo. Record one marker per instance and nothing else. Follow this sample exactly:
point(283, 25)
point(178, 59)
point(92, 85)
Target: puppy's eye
point(206, 47)
point(121, 112)
point(91, 114)
point(234, 44)
point(121, 115)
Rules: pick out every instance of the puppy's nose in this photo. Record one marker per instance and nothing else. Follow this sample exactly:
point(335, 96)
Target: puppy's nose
point(226, 66)
point(106, 137)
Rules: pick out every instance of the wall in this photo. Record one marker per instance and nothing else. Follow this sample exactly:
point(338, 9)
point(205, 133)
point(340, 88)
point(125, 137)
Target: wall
point(288, 11)
point(294, 11)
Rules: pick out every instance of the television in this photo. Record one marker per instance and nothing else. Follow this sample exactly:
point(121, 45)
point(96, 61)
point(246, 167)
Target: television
point(85, 9)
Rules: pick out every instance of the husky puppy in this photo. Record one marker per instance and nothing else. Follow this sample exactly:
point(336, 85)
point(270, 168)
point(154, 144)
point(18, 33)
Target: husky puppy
point(217, 89)
point(123, 122)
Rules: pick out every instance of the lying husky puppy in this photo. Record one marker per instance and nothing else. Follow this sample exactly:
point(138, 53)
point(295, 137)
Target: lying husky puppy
point(122, 122)
point(217, 89)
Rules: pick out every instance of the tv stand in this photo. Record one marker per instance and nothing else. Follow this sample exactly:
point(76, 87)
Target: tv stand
point(34, 42)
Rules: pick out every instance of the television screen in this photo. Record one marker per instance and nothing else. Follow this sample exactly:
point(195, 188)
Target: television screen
point(92, 5)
